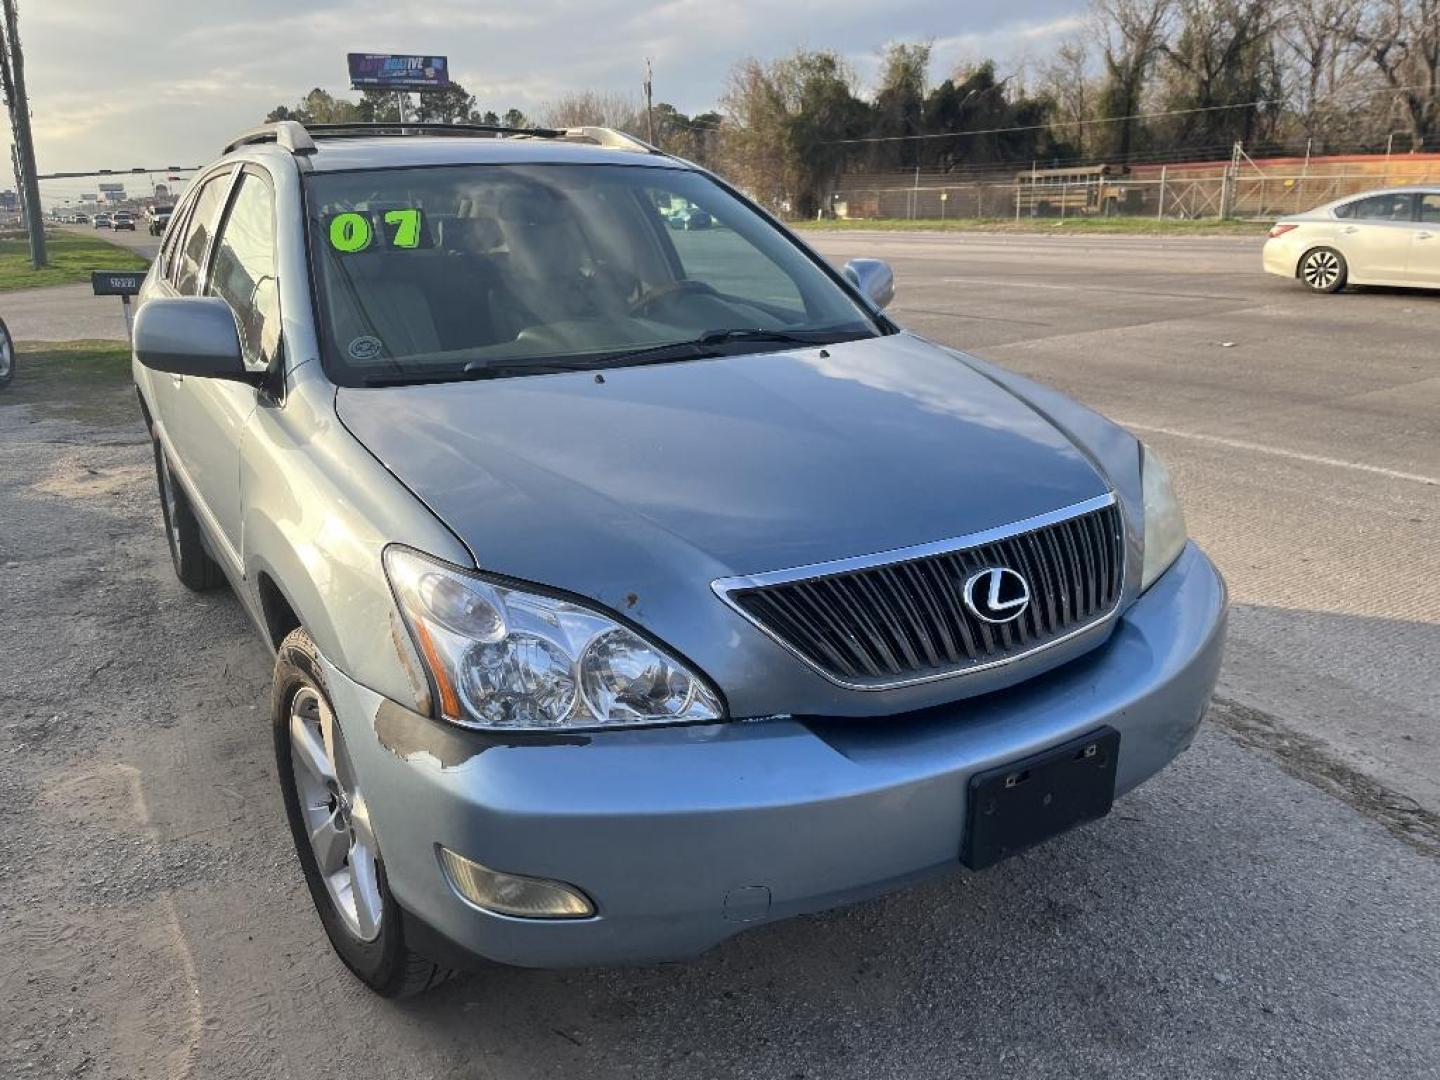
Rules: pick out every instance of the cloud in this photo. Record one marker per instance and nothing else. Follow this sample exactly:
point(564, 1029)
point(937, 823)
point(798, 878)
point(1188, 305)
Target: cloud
point(153, 82)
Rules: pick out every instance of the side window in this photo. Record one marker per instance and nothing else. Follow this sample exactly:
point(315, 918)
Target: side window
point(1430, 209)
point(243, 269)
point(197, 233)
point(1395, 207)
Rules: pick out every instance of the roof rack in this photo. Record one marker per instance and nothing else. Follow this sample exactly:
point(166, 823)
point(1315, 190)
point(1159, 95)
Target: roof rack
point(300, 138)
point(289, 134)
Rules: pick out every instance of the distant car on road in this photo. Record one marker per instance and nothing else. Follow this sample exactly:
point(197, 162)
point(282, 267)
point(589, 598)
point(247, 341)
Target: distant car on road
point(690, 217)
point(102, 221)
point(81, 219)
point(157, 218)
point(1389, 237)
point(123, 219)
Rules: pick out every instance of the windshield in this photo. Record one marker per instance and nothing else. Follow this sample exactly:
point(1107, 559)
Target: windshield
point(468, 270)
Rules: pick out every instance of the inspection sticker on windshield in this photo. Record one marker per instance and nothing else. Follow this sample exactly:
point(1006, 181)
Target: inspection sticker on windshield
point(360, 230)
point(365, 348)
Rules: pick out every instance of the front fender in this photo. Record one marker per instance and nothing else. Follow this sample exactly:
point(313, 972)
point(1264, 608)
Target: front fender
point(318, 512)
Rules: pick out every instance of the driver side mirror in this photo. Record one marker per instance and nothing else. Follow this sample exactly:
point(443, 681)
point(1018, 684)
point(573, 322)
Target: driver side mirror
point(191, 335)
point(874, 279)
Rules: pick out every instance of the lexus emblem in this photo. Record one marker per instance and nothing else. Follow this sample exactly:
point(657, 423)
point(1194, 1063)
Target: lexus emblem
point(997, 594)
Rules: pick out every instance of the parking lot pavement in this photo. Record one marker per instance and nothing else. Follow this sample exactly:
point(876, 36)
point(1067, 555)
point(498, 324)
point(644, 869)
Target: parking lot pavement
point(1303, 432)
point(1231, 918)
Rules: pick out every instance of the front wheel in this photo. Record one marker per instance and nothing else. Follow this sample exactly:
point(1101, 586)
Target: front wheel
point(1323, 270)
point(334, 839)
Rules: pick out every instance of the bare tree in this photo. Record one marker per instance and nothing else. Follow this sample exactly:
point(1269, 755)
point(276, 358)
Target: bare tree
point(1401, 38)
point(1131, 34)
point(595, 108)
point(1065, 81)
point(1220, 68)
point(1321, 65)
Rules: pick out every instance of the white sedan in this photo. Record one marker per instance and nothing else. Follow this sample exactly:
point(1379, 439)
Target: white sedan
point(1389, 237)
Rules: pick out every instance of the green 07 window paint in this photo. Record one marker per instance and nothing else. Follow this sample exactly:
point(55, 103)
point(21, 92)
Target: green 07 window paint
point(350, 232)
point(407, 232)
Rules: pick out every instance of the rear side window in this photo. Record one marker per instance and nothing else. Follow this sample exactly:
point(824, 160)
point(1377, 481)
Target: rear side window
point(1395, 207)
point(242, 271)
point(197, 235)
point(1430, 209)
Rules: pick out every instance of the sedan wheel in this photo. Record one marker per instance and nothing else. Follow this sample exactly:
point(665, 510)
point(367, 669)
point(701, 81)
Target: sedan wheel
point(1323, 270)
point(336, 819)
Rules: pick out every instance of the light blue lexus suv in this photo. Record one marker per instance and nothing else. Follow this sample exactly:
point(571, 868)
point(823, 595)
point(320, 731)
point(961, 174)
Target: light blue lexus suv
point(631, 586)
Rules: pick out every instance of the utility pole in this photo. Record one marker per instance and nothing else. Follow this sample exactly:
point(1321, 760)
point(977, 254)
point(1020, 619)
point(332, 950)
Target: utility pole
point(649, 105)
point(12, 71)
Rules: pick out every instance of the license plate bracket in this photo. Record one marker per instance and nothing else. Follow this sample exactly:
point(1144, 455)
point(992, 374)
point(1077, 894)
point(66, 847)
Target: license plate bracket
point(1024, 802)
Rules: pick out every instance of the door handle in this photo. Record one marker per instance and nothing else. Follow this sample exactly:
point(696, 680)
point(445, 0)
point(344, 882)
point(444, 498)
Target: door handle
point(1351, 229)
point(1424, 236)
point(177, 379)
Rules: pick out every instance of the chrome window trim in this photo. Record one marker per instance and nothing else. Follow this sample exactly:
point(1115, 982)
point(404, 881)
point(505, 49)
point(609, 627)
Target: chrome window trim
point(724, 587)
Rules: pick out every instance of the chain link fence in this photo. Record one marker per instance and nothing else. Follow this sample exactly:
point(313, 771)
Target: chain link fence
point(1238, 193)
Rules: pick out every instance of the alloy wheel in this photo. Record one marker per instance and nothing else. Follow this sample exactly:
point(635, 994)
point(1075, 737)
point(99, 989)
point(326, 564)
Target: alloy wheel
point(336, 818)
point(1321, 269)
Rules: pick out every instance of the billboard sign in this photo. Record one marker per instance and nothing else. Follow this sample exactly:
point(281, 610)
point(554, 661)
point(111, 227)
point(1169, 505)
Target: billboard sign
point(112, 187)
point(391, 71)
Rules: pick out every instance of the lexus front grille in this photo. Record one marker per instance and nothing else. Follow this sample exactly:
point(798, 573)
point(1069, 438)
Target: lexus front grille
point(920, 614)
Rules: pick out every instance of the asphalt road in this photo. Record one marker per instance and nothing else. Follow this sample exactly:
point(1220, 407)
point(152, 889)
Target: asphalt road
point(72, 312)
point(1264, 908)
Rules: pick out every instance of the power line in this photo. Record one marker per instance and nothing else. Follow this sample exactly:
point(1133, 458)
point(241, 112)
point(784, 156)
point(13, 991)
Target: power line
point(1058, 123)
point(1051, 125)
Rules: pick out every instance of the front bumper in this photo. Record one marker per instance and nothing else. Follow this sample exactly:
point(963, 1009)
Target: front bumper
point(683, 837)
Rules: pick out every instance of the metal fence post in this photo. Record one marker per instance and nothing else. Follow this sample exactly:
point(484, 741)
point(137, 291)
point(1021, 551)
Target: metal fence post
point(1160, 210)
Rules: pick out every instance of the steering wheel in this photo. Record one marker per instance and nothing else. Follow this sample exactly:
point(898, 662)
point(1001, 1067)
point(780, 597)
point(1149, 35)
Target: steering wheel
point(675, 288)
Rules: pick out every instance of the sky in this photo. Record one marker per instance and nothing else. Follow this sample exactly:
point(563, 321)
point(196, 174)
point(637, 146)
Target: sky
point(124, 83)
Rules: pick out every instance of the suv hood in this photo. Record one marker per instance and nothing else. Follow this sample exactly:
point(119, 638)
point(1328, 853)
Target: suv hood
point(749, 463)
point(640, 490)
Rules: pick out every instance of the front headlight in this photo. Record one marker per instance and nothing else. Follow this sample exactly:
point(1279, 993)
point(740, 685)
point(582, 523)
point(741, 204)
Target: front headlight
point(1164, 520)
point(503, 658)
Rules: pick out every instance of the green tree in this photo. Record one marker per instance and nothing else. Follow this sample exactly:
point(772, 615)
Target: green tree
point(786, 126)
point(379, 107)
point(899, 108)
point(451, 105)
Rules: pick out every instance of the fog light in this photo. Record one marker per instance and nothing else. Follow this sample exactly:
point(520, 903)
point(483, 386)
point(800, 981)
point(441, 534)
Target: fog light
point(513, 894)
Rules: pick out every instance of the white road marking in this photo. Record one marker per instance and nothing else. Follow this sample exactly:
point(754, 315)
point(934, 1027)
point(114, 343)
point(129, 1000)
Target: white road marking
point(1294, 455)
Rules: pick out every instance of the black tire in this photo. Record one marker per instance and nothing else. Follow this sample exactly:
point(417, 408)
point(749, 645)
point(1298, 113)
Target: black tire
point(194, 567)
point(1322, 270)
point(385, 963)
point(7, 355)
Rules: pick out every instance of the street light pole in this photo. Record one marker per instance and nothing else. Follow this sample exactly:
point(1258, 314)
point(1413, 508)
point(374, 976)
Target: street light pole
point(12, 66)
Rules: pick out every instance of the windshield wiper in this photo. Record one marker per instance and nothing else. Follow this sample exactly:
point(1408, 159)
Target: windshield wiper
point(695, 347)
point(710, 338)
point(472, 372)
